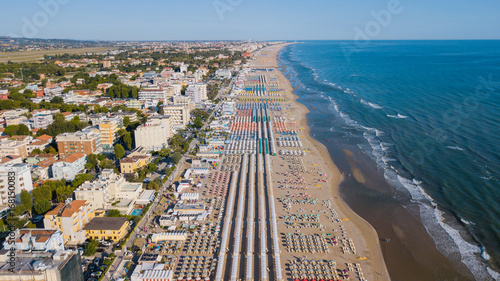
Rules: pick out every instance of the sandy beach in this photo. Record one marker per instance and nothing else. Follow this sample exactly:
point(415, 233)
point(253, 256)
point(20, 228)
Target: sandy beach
point(317, 161)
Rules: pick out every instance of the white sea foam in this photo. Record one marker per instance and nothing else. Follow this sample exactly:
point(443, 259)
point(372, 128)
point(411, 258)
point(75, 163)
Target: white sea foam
point(371, 104)
point(455, 148)
point(399, 116)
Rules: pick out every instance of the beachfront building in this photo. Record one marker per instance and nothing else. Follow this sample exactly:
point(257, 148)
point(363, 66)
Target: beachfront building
point(86, 141)
point(17, 176)
point(70, 218)
point(36, 239)
point(107, 228)
point(110, 191)
point(69, 166)
point(41, 266)
point(169, 236)
point(151, 271)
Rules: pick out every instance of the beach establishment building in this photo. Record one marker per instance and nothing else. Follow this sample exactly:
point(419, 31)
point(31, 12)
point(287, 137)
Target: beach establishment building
point(36, 239)
point(169, 236)
point(182, 208)
point(17, 175)
point(107, 228)
point(151, 272)
point(69, 166)
point(69, 218)
point(58, 266)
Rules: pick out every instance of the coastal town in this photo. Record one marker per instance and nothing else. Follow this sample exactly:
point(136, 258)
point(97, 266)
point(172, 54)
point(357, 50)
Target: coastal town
point(170, 161)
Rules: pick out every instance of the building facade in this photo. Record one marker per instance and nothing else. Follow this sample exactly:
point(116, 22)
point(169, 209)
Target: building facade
point(86, 141)
point(70, 218)
point(69, 166)
point(14, 177)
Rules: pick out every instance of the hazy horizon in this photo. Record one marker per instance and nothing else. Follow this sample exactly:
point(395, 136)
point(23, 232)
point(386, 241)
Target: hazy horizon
point(259, 20)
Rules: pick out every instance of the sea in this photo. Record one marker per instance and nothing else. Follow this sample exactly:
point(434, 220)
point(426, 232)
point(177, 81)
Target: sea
point(427, 113)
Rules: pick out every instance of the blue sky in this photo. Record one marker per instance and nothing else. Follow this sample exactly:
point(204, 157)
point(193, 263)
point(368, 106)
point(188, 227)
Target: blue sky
point(256, 19)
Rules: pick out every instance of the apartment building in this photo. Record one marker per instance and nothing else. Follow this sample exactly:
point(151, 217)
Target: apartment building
point(155, 133)
point(197, 92)
point(158, 94)
point(41, 266)
point(70, 218)
point(13, 147)
point(14, 175)
point(107, 189)
point(69, 166)
point(108, 129)
point(29, 239)
point(86, 141)
point(179, 115)
point(42, 120)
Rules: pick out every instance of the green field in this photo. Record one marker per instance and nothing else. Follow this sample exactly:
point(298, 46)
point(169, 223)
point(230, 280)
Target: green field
point(37, 55)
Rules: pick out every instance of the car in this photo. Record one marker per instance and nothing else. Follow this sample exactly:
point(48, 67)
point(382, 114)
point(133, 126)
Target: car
point(37, 219)
point(97, 261)
point(106, 243)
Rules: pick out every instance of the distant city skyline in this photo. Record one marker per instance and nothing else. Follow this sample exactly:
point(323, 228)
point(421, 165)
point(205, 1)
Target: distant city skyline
point(257, 19)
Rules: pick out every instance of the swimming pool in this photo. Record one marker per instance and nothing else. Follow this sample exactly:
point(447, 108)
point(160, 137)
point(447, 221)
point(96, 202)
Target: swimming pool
point(136, 212)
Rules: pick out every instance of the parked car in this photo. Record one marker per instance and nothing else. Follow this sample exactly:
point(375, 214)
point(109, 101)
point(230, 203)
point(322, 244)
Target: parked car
point(38, 218)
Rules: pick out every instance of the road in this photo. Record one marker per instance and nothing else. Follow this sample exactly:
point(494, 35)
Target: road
point(110, 275)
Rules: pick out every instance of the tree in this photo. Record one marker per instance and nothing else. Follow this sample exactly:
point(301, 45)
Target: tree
point(42, 207)
point(14, 130)
point(23, 130)
point(58, 100)
point(151, 167)
point(126, 121)
point(81, 178)
point(164, 152)
point(127, 140)
point(92, 161)
point(106, 164)
point(119, 151)
point(36, 151)
point(26, 201)
point(176, 157)
point(113, 213)
point(153, 185)
point(91, 248)
point(198, 123)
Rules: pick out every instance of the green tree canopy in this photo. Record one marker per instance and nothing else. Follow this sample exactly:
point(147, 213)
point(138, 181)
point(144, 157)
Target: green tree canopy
point(113, 213)
point(119, 151)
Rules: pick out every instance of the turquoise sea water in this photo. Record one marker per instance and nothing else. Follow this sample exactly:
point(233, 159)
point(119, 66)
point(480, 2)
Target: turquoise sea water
point(428, 114)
